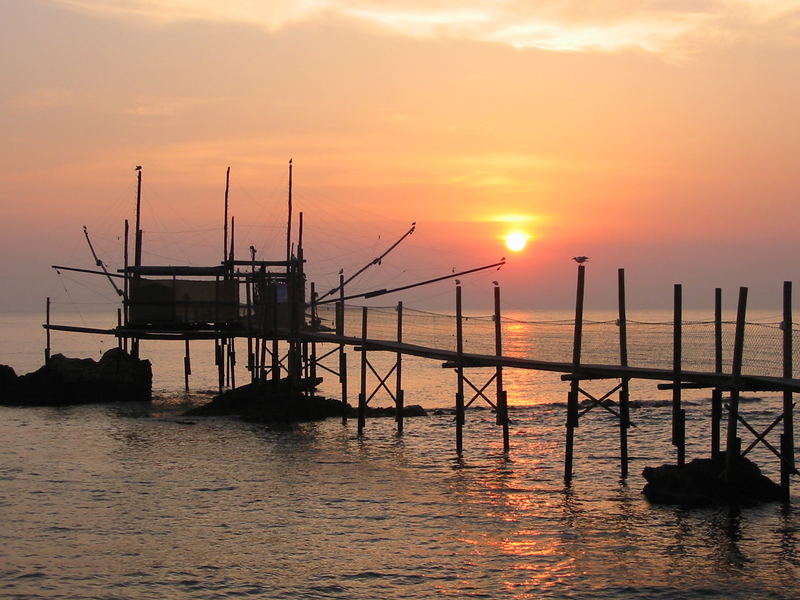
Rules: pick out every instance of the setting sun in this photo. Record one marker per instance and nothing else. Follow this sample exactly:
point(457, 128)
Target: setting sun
point(516, 241)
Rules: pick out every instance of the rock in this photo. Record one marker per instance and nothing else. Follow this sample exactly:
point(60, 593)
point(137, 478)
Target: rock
point(414, 410)
point(263, 402)
point(701, 483)
point(66, 381)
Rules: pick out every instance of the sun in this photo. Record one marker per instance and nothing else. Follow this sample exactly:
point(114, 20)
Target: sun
point(516, 241)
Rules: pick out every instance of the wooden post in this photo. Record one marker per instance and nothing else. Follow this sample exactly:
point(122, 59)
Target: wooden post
point(678, 414)
point(187, 366)
point(342, 354)
point(362, 396)
point(225, 228)
point(398, 393)
point(343, 381)
point(119, 325)
point(733, 443)
point(572, 399)
point(459, 375)
point(787, 439)
point(716, 394)
point(624, 391)
point(276, 364)
point(250, 364)
point(47, 332)
point(126, 287)
point(289, 222)
point(501, 398)
point(232, 362)
point(314, 326)
point(220, 362)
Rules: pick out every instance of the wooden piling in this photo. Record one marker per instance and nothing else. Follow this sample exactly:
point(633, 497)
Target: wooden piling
point(572, 399)
point(187, 366)
point(733, 443)
point(787, 438)
point(276, 361)
point(678, 413)
point(119, 325)
point(459, 375)
point(716, 394)
point(398, 390)
point(47, 332)
point(500, 396)
point(362, 396)
point(624, 391)
point(342, 353)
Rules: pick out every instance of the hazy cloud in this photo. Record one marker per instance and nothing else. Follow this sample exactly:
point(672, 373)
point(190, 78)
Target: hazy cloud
point(566, 25)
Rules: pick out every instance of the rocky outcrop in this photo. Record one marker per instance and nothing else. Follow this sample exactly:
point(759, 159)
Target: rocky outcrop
point(701, 482)
point(267, 403)
point(116, 377)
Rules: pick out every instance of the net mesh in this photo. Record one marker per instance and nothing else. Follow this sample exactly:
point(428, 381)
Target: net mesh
point(650, 343)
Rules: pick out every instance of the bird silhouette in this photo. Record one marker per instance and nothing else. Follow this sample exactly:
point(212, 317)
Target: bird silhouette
point(580, 259)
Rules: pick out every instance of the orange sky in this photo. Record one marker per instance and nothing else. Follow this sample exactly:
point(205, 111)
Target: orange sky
point(661, 137)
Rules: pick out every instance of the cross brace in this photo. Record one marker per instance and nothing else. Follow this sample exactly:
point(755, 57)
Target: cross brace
point(600, 402)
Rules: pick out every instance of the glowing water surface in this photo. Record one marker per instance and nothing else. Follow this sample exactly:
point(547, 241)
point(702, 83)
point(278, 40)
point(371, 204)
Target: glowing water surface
point(135, 501)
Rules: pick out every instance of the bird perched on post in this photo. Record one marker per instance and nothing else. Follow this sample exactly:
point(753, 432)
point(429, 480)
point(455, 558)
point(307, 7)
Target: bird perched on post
point(580, 259)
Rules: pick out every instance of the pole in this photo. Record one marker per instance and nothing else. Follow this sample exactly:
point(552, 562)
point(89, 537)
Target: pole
point(502, 404)
point(572, 399)
point(787, 439)
point(225, 228)
point(289, 221)
point(459, 375)
point(678, 414)
point(733, 442)
point(624, 392)
point(47, 332)
point(362, 396)
point(187, 366)
point(398, 393)
point(716, 394)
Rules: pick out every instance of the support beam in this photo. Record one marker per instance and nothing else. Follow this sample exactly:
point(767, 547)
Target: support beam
point(459, 376)
point(678, 413)
point(716, 394)
point(624, 392)
point(733, 443)
point(572, 399)
point(399, 400)
point(501, 398)
point(787, 438)
point(362, 396)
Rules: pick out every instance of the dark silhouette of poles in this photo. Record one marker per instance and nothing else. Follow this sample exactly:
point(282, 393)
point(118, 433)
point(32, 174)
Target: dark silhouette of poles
point(572, 399)
point(362, 396)
point(787, 438)
point(716, 394)
point(678, 413)
point(624, 392)
point(399, 394)
point(502, 398)
point(733, 442)
point(459, 375)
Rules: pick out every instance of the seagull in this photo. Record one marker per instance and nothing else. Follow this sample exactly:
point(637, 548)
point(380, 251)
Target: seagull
point(494, 282)
point(458, 282)
point(138, 167)
point(580, 259)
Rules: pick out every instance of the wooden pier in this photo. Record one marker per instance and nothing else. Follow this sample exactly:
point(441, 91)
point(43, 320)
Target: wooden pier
point(264, 302)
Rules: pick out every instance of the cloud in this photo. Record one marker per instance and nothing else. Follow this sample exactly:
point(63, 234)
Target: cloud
point(559, 25)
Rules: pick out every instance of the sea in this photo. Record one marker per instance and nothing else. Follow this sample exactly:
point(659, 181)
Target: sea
point(138, 501)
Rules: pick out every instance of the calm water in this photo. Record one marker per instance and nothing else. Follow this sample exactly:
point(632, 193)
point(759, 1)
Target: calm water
point(135, 501)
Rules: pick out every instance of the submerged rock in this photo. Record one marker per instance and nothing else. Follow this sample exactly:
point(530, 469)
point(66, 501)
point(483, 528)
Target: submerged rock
point(701, 483)
point(265, 402)
point(63, 381)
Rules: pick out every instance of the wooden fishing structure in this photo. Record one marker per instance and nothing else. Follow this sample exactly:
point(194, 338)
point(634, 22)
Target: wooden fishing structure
point(264, 302)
